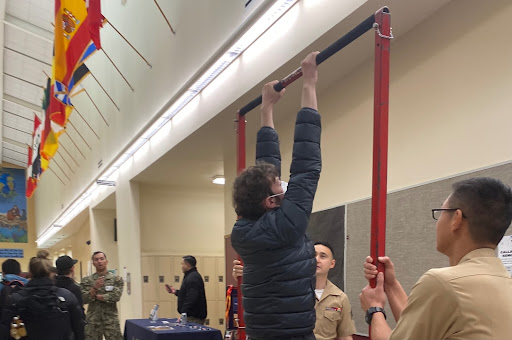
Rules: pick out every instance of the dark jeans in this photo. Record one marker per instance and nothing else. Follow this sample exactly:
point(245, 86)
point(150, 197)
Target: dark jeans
point(310, 336)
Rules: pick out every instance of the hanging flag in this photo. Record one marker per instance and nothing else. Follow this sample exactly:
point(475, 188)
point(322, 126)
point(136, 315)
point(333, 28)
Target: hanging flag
point(77, 24)
point(51, 131)
point(76, 30)
point(96, 21)
point(78, 76)
point(34, 159)
point(57, 111)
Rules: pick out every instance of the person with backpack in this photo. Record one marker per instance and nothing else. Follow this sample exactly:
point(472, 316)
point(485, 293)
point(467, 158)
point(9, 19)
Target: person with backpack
point(12, 280)
point(64, 279)
point(48, 312)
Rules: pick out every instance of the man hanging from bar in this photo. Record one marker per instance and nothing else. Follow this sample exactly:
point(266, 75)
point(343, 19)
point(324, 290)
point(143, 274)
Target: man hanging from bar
point(270, 236)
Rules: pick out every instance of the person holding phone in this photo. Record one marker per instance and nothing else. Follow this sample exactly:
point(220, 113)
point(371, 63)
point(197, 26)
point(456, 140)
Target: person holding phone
point(191, 295)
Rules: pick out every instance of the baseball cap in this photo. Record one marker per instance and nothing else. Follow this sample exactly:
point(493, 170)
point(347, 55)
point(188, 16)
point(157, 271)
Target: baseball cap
point(65, 262)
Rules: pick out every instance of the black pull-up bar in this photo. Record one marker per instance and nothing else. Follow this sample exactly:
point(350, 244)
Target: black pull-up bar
point(355, 33)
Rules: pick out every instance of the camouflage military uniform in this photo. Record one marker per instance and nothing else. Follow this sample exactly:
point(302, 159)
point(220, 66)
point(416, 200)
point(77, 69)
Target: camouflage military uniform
point(102, 317)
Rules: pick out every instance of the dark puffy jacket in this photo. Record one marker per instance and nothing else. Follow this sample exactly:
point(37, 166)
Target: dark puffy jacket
point(49, 313)
point(191, 295)
point(279, 259)
point(68, 283)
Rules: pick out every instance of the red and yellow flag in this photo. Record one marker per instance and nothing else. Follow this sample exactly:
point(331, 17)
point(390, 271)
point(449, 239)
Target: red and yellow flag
point(77, 24)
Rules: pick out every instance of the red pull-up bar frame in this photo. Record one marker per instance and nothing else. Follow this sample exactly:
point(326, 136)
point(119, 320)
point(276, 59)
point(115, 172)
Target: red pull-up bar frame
point(381, 23)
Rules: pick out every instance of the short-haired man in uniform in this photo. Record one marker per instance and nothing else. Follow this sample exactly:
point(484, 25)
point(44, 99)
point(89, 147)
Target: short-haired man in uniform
point(333, 310)
point(472, 299)
point(102, 290)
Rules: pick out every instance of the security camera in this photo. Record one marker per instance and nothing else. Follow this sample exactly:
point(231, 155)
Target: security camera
point(88, 242)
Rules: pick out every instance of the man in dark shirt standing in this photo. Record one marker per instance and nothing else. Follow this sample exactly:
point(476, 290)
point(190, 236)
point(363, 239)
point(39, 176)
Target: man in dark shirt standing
point(64, 279)
point(191, 295)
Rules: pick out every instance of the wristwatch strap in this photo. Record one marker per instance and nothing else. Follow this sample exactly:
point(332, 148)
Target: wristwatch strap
point(371, 311)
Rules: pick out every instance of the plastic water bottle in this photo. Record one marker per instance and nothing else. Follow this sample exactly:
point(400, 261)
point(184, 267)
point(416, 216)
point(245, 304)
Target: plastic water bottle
point(153, 316)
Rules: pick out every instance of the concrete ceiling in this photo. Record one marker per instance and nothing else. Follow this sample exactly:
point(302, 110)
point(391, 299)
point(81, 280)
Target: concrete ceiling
point(27, 56)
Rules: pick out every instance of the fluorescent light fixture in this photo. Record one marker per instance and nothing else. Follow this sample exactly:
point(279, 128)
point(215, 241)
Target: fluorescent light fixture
point(268, 19)
point(107, 183)
point(219, 180)
point(120, 161)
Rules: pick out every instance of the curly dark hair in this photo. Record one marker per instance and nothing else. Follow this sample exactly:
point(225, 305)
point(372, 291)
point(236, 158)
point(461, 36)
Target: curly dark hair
point(251, 188)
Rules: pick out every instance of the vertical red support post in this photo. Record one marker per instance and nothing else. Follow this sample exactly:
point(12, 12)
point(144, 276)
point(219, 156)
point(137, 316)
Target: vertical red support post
point(383, 37)
point(240, 166)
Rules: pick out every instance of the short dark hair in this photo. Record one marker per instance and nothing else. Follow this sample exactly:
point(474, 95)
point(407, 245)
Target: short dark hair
point(11, 266)
point(487, 204)
point(325, 244)
point(251, 187)
point(191, 260)
point(98, 252)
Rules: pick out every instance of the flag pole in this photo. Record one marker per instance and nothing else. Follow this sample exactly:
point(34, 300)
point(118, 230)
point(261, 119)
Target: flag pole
point(69, 121)
point(57, 164)
point(122, 36)
point(64, 148)
point(87, 93)
point(70, 168)
point(168, 23)
point(118, 70)
point(56, 175)
point(76, 146)
point(86, 122)
point(112, 100)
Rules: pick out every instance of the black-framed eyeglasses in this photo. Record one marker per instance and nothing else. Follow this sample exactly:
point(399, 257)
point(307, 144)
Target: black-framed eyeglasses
point(436, 213)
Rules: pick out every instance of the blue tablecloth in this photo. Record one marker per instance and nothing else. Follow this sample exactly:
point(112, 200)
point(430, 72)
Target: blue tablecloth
point(137, 329)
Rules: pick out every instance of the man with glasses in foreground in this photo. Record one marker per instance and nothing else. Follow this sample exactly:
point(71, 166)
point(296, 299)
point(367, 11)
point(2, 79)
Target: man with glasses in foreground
point(270, 236)
point(471, 299)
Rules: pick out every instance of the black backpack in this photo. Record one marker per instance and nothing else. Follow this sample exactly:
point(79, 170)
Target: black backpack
point(44, 313)
point(14, 285)
point(9, 287)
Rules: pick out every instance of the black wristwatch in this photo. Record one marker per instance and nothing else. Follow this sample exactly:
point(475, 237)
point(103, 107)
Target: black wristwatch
point(371, 311)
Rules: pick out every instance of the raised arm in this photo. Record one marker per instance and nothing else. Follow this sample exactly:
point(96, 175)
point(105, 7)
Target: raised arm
point(310, 74)
point(293, 216)
point(267, 140)
point(270, 98)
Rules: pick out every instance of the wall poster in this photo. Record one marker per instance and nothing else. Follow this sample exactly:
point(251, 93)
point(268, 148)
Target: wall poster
point(13, 206)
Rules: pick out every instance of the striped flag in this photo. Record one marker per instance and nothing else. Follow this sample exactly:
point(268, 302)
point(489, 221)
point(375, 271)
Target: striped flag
point(34, 159)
